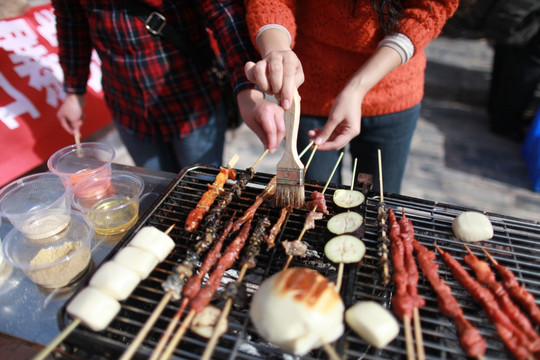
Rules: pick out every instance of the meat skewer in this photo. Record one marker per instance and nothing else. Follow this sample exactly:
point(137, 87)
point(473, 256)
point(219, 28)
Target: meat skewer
point(204, 295)
point(297, 244)
point(215, 189)
point(518, 292)
point(402, 302)
point(407, 238)
point(192, 286)
point(276, 228)
point(470, 338)
point(248, 262)
point(382, 218)
point(515, 342)
point(485, 276)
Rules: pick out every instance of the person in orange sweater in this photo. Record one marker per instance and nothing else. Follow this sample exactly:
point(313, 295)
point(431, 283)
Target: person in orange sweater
point(361, 66)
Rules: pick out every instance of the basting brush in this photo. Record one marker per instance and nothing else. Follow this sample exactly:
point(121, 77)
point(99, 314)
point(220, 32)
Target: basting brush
point(289, 169)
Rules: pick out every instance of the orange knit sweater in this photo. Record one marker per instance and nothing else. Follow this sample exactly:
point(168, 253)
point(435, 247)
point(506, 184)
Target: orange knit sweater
point(332, 43)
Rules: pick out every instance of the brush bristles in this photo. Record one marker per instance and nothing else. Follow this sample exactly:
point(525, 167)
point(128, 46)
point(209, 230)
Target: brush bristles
point(289, 195)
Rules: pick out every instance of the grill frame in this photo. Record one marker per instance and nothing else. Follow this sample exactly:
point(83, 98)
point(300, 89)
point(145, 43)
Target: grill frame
point(431, 220)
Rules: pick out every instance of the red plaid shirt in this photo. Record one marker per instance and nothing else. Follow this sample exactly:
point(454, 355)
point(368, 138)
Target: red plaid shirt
point(150, 87)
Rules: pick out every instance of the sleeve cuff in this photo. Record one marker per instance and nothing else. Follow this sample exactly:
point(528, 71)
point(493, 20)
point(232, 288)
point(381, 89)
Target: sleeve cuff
point(401, 43)
point(274, 26)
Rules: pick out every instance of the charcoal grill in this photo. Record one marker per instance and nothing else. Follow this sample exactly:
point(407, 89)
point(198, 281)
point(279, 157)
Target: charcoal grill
point(515, 245)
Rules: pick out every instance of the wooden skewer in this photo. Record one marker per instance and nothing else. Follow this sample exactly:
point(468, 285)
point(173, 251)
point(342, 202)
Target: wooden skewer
point(178, 335)
point(304, 229)
point(490, 257)
point(130, 351)
point(341, 266)
point(310, 158)
point(210, 346)
point(418, 334)
point(169, 330)
point(408, 338)
point(331, 352)
point(47, 350)
point(386, 270)
point(77, 136)
point(259, 159)
point(306, 148)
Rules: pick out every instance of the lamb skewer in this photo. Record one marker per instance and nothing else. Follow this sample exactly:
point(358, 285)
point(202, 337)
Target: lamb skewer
point(515, 342)
point(518, 292)
point(485, 276)
point(472, 342)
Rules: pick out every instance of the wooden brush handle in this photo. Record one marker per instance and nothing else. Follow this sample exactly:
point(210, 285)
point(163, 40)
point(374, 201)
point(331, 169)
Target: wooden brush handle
point(292, 122)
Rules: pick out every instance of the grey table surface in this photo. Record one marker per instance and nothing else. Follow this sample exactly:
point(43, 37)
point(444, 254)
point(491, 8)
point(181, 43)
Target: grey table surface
point(29, 311)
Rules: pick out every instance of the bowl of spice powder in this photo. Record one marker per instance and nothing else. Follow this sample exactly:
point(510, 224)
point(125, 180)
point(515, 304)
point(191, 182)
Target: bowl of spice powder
point(54, 263)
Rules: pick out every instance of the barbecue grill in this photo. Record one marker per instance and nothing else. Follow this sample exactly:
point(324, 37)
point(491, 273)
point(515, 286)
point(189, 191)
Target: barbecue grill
point(515, 245)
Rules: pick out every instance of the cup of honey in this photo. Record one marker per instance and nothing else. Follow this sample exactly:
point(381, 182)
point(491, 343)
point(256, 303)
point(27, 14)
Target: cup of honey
point(111, 202)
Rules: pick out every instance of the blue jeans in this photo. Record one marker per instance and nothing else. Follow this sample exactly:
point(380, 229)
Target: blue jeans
point(391, 133)
point(204, 145)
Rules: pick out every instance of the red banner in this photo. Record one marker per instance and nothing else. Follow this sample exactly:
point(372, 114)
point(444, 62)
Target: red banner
point(31, 93)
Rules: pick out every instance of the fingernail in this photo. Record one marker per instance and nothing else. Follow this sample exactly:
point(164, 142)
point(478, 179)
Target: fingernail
point(318, 140)
point(285, 103)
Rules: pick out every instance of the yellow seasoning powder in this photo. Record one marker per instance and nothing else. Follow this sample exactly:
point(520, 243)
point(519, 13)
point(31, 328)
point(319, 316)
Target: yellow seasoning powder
point(63, 273)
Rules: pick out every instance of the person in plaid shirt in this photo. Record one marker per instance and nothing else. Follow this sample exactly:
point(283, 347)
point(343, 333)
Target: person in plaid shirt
point(166, 105)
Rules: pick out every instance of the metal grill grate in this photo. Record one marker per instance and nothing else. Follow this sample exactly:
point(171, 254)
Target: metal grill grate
point(515, 245)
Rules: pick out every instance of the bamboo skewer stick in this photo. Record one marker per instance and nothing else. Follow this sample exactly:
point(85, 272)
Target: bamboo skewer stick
point(310, 158)
point(47, 350)
point(341, 265)
point(411, 355)
point(304, 229)
point(210, 346)
point(418, 334)
point(137, 341)
point(306, 148)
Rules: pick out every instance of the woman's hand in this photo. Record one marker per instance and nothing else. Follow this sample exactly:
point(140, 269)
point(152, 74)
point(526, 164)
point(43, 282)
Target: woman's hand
point(344, 121)
point(71, 113)
point(263, 117)
point(280, 71)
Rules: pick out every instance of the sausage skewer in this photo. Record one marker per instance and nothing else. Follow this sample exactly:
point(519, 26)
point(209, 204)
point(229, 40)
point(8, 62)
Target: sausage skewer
point(518, 292)
point(253, 249)
point(507, 331)
point(309, 217)
point(485, 276)
point(470, 338)
point(402, 302)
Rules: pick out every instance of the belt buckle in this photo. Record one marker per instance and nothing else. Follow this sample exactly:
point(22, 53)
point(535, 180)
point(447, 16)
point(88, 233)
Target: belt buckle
point(155, 16)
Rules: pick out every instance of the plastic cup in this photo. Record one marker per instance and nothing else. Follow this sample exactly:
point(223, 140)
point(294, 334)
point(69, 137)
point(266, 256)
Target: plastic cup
point(37, 205)
point(111, 203)
point(78, 162)
point(56, 263)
